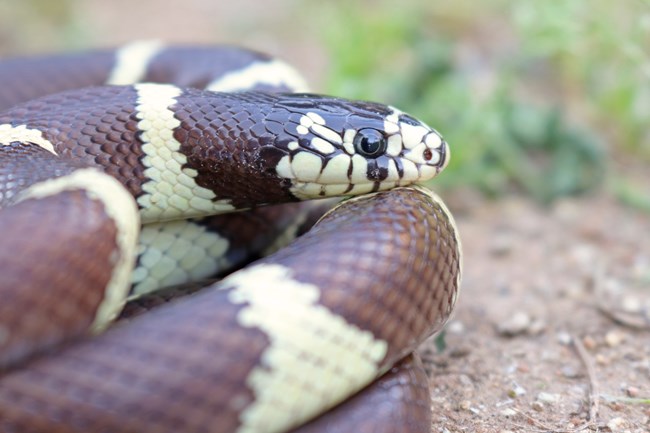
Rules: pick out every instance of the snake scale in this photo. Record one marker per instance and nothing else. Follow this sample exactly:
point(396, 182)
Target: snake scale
point(119, 175)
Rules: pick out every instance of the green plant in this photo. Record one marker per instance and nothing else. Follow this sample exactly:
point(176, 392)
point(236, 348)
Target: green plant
point(501, 138)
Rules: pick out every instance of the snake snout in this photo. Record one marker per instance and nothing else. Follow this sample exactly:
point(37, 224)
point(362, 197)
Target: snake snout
point(445, 155)
point(426, 148)
point(436, 150)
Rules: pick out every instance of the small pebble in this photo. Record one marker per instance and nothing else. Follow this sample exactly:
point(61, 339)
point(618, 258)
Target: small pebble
point(564, 338)
point(517, 324)
point(455, 327)
point(616, 424)
point(632, 391)
point(601, 359)
point(631, 304)
point(508, 412)
point(547, 397)
point(614, 338)
point(465, 405)
point(538, 406)
point(616, 406)
point(576, 421)
point(460, 351)
point(516, 391)
point(589, 342)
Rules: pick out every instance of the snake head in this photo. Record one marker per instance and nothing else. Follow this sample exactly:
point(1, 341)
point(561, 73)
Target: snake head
point(341, 147)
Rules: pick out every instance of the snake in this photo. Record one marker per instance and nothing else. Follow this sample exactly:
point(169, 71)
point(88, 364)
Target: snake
point(127, 172)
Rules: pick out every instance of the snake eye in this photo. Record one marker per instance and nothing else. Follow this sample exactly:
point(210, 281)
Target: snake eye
point(369, 142)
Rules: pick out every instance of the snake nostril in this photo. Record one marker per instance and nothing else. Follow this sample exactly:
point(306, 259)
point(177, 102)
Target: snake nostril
point(427, 154)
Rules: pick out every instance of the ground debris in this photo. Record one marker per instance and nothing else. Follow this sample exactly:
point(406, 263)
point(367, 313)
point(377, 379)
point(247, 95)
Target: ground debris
point(537, 352)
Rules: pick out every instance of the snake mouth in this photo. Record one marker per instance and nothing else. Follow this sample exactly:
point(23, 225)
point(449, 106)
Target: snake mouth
point(313, 190)
point(445, 156)
point(314, 176)
point(365, 176)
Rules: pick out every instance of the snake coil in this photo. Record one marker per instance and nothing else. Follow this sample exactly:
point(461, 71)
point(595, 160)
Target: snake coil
point(119, 177)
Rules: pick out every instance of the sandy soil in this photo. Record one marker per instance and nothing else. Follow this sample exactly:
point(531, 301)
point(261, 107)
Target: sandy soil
point(551, 330)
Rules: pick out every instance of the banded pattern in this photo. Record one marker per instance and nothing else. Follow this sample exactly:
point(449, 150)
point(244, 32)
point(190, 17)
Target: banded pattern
point(189, 66)
point(99, 159)
point(169, 346)
point(87, 201)
point(171, 189)
point(405, 386)
point(119, 209)
point(12, 134)
point(132, 62)
point(176, 252)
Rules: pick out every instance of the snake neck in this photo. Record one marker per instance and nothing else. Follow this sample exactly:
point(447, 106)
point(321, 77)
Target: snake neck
point(185, 153)
point(207, 152)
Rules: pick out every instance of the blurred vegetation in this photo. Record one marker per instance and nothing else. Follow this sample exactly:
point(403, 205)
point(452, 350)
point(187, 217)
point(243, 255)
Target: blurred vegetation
point(549, 98)
point(537, 96)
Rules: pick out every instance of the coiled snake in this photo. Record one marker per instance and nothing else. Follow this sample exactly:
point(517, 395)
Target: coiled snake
point(270, 347)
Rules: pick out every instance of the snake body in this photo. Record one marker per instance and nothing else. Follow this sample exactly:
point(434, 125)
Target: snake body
point(268, 348)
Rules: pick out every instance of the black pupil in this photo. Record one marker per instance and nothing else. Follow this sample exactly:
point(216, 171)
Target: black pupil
point(370, 142)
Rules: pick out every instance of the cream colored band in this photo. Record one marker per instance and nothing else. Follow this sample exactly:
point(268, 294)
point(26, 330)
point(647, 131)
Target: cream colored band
point(120, 207)
point(132, 61)
point(171, 191)
point(273, 73)
point(310, 348)
point(11, 134)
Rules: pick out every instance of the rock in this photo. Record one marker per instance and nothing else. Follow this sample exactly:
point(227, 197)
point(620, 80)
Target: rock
point(546, 397)
point(589, 342)
point(460, 351)
point(631, 304)
point(455, 327)
point(564, 338)
point(614, 338)
point(601, 359)
point(538, 406)
point(515, 325)
point(516, 391)
point(617, 424)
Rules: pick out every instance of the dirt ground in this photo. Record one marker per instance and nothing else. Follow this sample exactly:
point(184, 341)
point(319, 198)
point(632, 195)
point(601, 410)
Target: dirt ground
point(551, 330)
